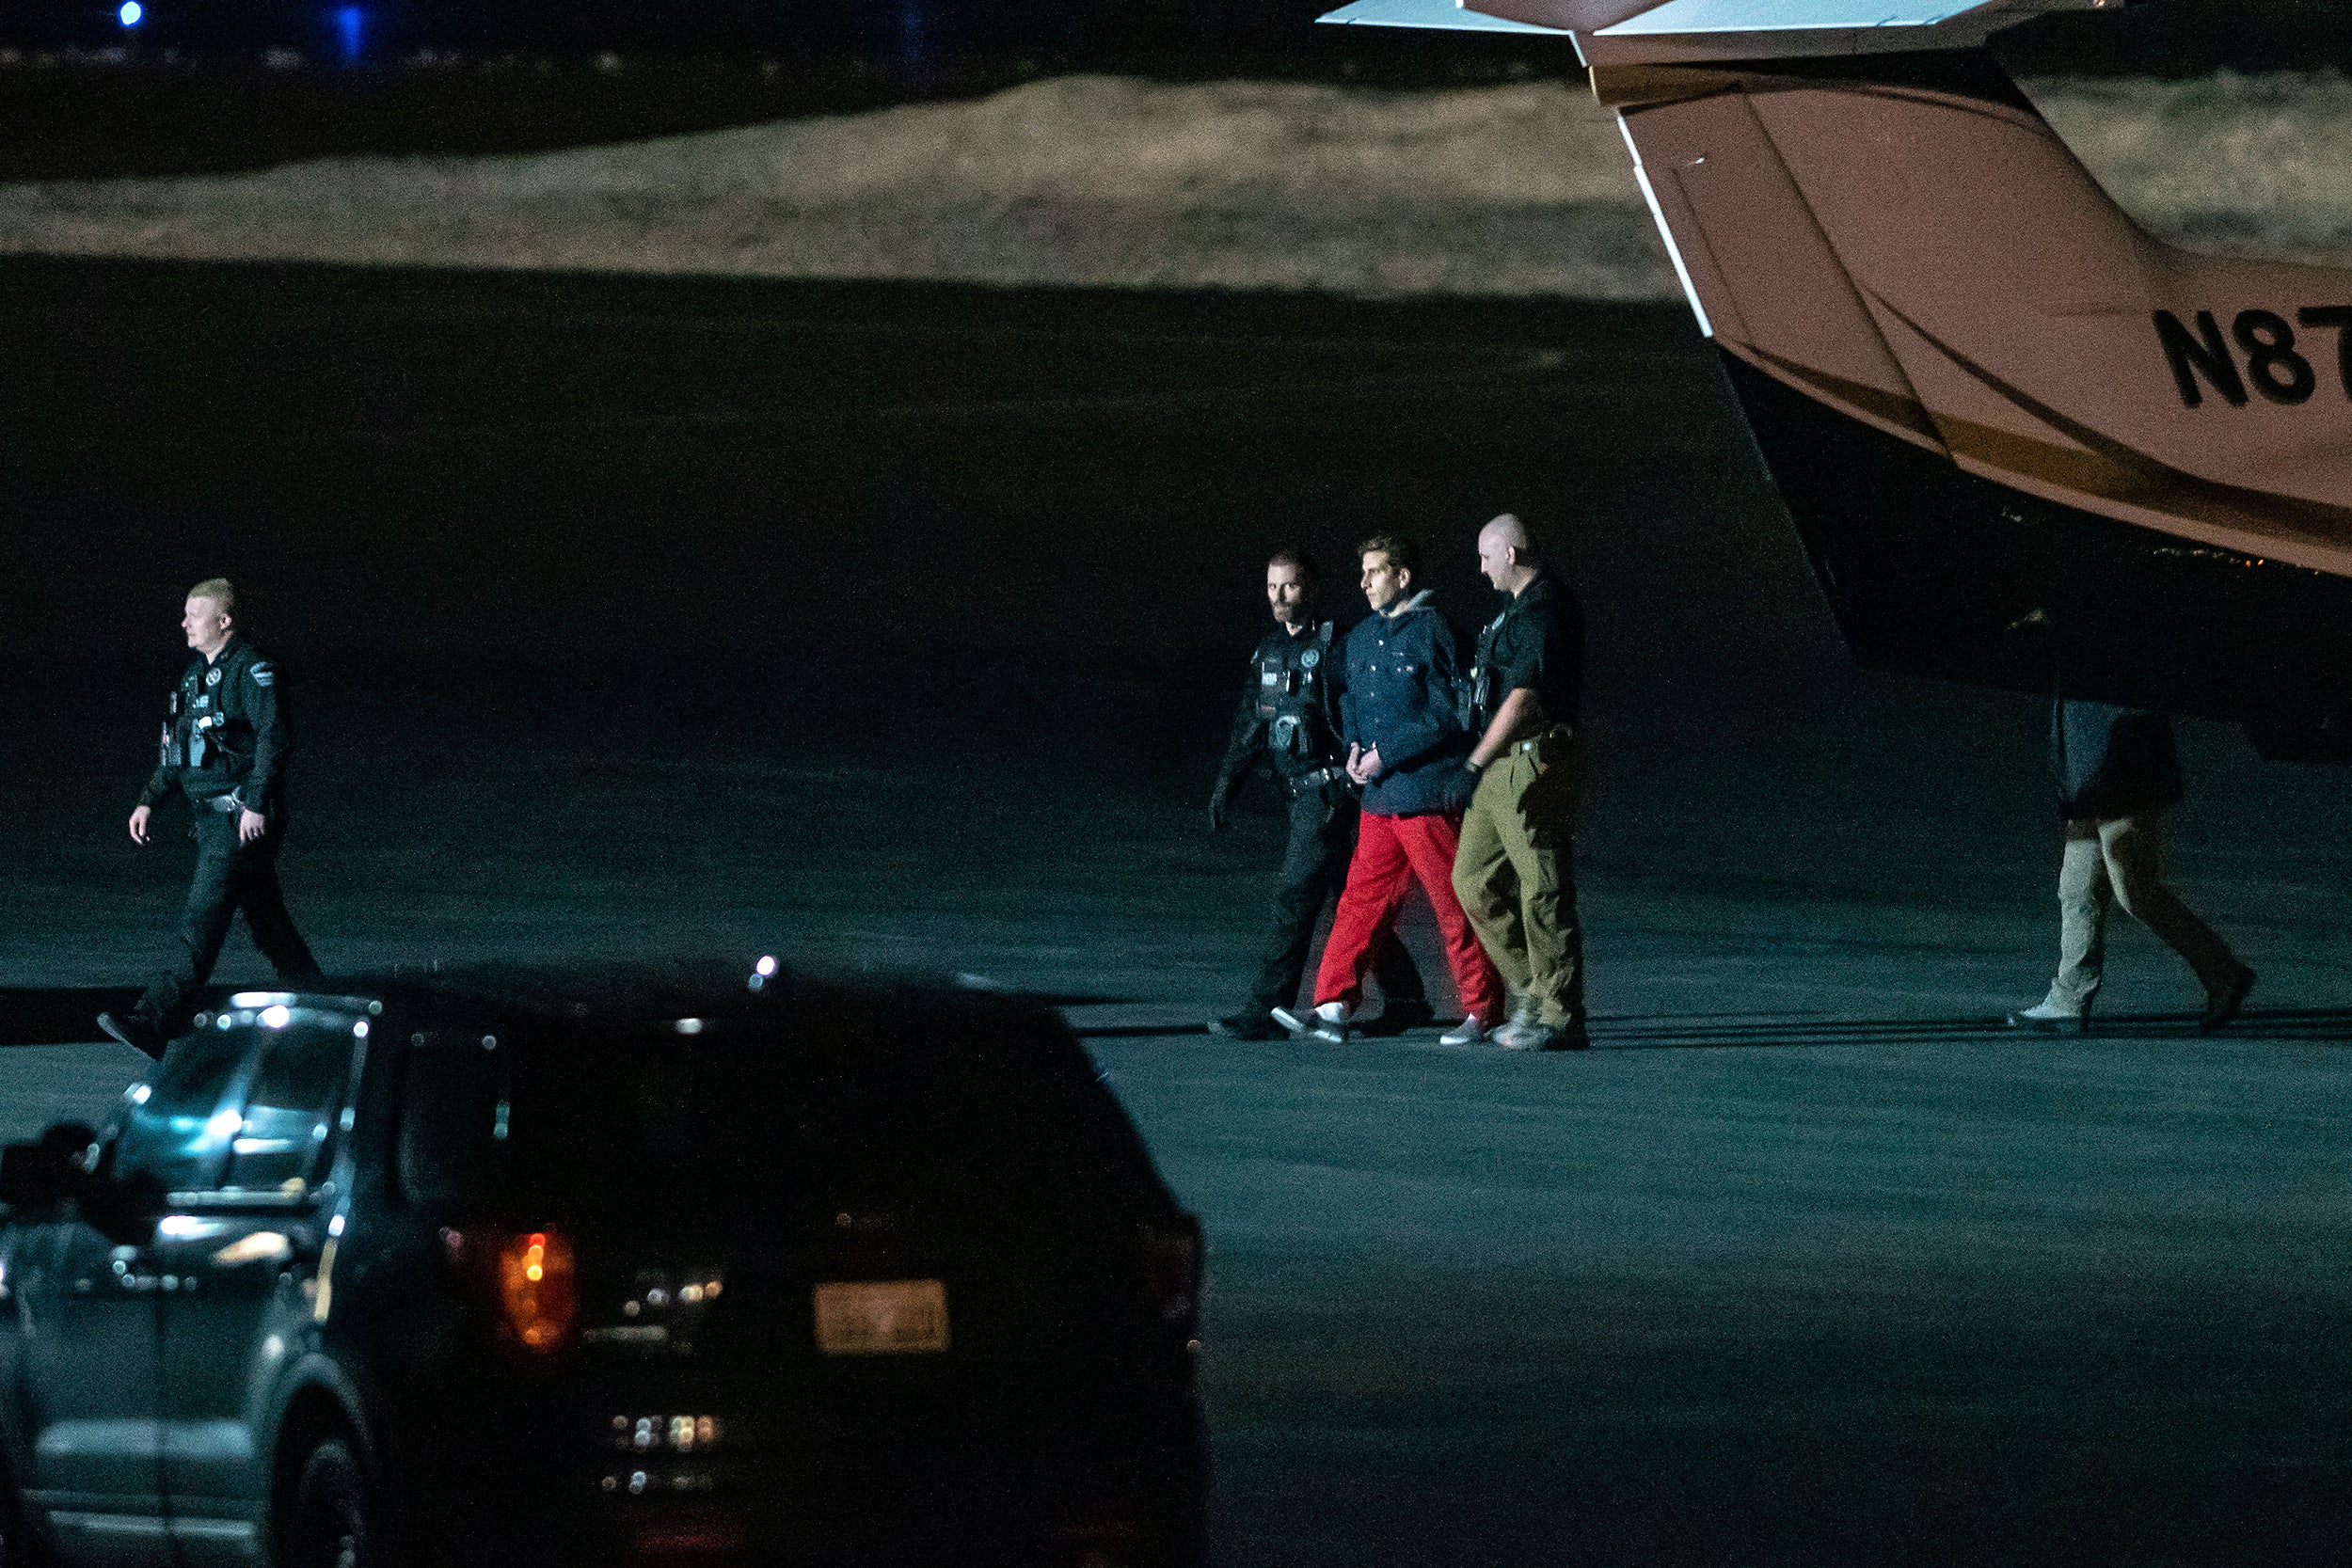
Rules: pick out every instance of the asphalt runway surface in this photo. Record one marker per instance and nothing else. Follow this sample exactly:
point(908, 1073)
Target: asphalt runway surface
point(896, 628)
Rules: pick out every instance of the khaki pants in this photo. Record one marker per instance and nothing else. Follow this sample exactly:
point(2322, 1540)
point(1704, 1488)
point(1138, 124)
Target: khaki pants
point(1515, 874)
point(2116, 860)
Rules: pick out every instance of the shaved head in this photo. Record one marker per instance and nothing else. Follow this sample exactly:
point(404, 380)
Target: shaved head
point(1507, 553)
point(1507, 532)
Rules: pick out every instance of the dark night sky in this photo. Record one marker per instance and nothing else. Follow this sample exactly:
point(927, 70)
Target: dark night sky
point(197, 85)
point(1262, 34)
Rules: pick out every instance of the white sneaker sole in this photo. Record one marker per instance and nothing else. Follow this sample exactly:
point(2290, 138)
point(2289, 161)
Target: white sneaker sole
point(1311, 1027)
point(2026, 1023)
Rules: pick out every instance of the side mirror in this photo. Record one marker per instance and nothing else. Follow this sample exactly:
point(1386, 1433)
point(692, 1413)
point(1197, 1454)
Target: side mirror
point(43, 1174)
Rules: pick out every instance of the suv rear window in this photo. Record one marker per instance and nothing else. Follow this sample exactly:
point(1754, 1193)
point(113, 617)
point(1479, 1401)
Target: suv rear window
point(289, 1109)
point(798, 1106)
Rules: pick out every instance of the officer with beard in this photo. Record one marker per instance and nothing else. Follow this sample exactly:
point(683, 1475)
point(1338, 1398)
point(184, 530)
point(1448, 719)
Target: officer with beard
point(1289, 719)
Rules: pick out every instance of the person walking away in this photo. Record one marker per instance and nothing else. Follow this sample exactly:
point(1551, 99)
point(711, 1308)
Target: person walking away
point(1402, 720)
point(2115, 769)
point(1289, 722)
point(225, 743)
point(1515, 872)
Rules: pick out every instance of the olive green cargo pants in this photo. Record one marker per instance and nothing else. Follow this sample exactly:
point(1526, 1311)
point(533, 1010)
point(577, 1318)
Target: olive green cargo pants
point(1515, 874)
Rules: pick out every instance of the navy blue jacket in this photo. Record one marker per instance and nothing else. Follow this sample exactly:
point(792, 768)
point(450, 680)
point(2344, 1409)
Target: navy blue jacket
point(1403, 696)
point(2109, 761)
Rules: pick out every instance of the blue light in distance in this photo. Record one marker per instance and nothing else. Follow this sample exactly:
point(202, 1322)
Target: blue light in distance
point(913, 32)
point(132, 14)
point(350, 26)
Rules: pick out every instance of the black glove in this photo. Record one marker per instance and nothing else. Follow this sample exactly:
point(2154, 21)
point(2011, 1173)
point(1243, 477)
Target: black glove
point(1219, 819)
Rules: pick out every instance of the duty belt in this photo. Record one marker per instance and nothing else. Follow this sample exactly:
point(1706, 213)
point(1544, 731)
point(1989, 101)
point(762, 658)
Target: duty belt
point(1557, 732)
point(224, 802)
point(1320, 777)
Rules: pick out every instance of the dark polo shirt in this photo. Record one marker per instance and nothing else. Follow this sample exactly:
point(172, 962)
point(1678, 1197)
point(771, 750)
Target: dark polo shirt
point(1537, 642)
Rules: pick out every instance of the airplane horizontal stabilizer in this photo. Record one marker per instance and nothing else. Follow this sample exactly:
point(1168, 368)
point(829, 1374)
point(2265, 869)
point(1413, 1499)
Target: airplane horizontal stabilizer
point(1693, 32)
point(1442, 14)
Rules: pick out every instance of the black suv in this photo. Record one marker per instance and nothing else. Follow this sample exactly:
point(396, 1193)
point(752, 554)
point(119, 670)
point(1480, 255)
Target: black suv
point(527, 1269)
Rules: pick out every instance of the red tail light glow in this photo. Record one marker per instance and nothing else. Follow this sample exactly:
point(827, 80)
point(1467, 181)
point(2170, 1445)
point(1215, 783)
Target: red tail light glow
point(535, 1288)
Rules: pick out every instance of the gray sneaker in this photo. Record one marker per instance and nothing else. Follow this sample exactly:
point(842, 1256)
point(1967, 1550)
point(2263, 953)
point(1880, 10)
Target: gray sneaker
point(2052, 1018)
point(1548, 1037)
point(1469, 1032)
point(1523, 1018)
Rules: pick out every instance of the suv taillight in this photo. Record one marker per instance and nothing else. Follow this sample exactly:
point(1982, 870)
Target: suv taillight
point(1172, 1262)
point(533, 1272)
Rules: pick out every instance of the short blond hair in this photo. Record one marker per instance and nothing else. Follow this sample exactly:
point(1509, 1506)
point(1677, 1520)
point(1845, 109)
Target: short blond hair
point(220, 591)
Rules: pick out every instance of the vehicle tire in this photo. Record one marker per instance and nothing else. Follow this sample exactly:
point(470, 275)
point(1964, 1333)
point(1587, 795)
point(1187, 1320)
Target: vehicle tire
point(18, 1547)
point(328, 1522)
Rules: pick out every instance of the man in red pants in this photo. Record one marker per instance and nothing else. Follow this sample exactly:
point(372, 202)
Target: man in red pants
point(1406, 747)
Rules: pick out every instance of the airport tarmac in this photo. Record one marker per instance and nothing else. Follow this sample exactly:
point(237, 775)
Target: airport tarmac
point(896, 626)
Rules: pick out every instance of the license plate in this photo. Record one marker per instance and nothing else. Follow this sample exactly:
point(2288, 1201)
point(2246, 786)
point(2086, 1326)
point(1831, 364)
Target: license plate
point(882, 1317)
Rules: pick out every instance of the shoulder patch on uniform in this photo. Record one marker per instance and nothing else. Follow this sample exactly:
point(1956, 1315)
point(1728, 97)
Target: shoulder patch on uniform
point(264, 674)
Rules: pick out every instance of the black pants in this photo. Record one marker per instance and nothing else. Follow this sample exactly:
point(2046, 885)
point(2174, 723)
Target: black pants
point(230, 875)
point(1314, 868)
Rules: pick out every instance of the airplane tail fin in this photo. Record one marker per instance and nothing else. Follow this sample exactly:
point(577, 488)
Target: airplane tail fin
point(2009, 424)
point(1984, 390)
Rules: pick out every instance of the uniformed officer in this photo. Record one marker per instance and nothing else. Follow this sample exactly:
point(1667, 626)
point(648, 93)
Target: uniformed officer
point(1289, 718)
point(224, 750)
point(1515, 871)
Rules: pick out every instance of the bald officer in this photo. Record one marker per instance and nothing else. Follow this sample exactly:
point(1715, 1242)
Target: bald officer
point(224, 751)
point(1515, 871)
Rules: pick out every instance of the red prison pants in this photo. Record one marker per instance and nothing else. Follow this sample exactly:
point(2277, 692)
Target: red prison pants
point(1391, 852)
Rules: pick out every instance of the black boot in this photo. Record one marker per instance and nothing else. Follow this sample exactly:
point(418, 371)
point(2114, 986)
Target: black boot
point(136, 1030)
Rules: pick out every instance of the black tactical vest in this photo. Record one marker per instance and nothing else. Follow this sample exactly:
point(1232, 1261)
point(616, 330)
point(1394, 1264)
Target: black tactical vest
point(1295, 700)
point(201, 732)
